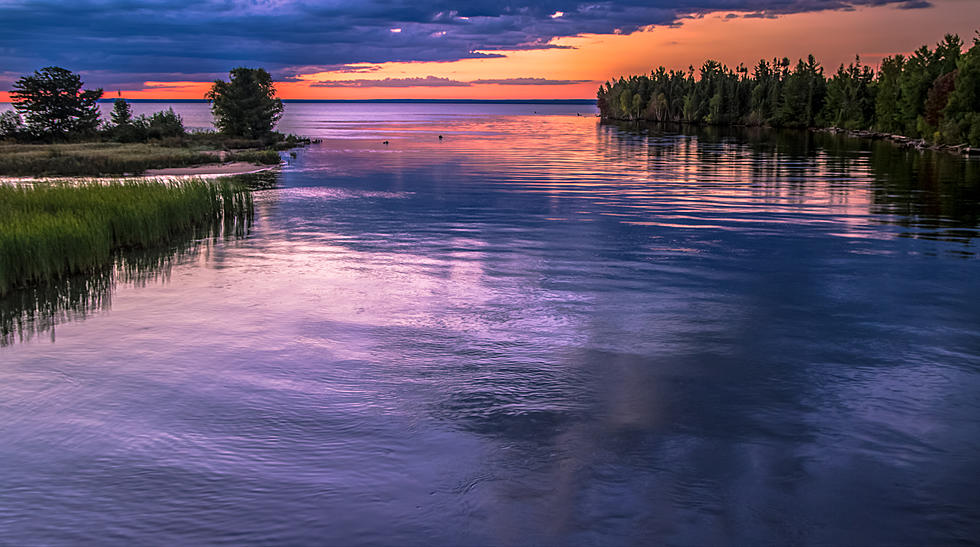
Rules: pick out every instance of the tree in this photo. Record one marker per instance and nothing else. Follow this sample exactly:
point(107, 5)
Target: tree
point(803, 95)
point(937, 99)
point(888, 115)
point(850, 99)
point(160, 125)
point(10, 124)
point(961, 116)
point(247, 105)
point(54, 105)
point(122, 113)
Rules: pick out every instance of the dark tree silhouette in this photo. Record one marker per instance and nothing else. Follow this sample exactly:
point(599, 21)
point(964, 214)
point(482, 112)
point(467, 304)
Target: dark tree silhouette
point(933, 94)
point(54, 105)
point(247, 105)
point(122, 113)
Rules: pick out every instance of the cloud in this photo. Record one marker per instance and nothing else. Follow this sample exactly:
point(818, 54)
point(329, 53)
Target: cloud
point(529, 81)
point(428, 81)
point(121, 38)
point(436, 81)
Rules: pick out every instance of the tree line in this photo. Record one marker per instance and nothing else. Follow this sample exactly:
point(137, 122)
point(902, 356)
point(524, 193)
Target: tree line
point(52, 106)
point(933, 94)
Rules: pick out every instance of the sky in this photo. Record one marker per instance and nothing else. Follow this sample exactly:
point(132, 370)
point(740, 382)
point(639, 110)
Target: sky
point(480, 49)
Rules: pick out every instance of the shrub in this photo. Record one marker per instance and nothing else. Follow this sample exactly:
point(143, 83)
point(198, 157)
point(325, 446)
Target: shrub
point(11, 126)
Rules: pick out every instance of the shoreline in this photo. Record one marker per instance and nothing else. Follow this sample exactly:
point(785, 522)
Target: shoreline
point(205, 171)
point(208, 169)
point(899, 140)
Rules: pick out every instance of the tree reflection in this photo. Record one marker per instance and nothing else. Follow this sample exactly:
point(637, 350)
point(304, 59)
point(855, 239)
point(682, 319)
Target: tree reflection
point(930, 195)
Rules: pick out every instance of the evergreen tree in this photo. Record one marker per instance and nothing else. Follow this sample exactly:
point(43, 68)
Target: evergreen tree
point(850, 97)
point(961, 116)
point(803, 95)
point(932, 93)
point(246, 105)
point(888, 115)
point(54, 105)
point(122, 113)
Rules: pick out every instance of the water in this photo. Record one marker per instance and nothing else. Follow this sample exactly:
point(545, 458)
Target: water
point(540, 330)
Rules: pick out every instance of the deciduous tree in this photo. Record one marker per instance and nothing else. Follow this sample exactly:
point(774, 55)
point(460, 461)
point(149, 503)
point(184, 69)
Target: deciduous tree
point(54, 105)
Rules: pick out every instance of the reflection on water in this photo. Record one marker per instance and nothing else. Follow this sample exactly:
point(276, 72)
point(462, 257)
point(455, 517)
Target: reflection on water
point(37, 309)
point(539, 330)
point(29, 312)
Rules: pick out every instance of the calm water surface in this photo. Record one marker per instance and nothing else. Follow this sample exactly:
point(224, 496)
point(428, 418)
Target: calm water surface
point(540, 330)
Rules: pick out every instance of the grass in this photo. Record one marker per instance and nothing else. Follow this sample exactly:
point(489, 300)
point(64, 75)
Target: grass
point(106, 158)
point(55, 230)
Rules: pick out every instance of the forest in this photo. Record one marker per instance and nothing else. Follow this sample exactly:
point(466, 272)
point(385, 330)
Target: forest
point(932, 94)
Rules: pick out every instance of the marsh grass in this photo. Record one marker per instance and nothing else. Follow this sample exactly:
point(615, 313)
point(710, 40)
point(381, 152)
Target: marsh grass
point(106, 158)
point(53, 231)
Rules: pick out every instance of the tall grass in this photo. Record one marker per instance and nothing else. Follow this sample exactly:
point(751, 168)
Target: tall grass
point(50, 231)
point(92, 159)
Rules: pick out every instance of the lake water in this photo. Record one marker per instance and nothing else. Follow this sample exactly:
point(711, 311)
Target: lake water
point(540, 330)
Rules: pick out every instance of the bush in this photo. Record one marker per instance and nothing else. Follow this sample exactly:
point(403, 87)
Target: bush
point(159, 125)
point(11, 126)
point(162, 125)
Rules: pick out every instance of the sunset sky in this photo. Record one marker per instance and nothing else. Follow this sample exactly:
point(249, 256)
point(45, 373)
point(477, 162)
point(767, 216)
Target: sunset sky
point(441, 49)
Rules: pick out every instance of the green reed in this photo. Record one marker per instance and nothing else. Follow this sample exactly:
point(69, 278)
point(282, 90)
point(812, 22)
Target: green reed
point(54, 230)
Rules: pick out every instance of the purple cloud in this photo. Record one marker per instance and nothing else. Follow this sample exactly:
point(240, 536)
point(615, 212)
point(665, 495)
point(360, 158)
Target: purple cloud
point(111, 41)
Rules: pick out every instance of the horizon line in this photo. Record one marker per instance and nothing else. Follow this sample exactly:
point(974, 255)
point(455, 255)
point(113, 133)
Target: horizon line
point(458, 101)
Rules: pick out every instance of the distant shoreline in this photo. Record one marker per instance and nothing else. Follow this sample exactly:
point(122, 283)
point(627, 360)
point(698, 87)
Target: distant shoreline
point(393, 101)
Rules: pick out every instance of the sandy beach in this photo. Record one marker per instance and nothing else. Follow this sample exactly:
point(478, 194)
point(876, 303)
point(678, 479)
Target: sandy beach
point(231, 168)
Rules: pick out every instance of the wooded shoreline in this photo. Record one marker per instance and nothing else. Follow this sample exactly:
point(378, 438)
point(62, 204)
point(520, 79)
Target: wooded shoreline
point(929, 99)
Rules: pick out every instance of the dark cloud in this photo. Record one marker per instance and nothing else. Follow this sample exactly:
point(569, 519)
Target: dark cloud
point(174, 39)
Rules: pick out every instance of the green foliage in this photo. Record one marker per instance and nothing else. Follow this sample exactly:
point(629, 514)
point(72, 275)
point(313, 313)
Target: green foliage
point(888, 114)
point(936, 100)
point(245, 106)
point(802, 95)
point(961, 116)
point(934, 94)
point(55, 230)
point(166, 124)
point(54, 105)
point(122, 113)
point(917, 78)
point(11, 125)
point(262, 157)
point(850, 101)
point(160, 125)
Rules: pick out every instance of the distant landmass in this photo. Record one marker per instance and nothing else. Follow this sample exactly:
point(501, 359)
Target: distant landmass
point(439, 101)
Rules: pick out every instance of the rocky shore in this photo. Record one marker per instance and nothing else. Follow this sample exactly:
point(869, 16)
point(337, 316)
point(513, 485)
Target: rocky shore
point(902, 140)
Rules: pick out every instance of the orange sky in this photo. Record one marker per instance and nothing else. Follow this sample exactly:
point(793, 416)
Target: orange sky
point(834, 37)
